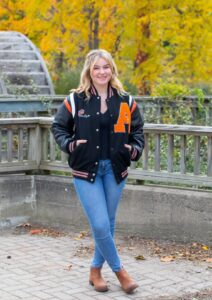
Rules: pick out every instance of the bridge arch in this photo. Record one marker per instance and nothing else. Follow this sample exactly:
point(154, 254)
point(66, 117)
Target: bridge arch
point(22, 68)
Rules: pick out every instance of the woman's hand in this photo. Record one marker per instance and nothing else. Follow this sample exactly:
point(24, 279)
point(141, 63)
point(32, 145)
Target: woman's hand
point(81, 142)
point(129, 147)
point(74, 144)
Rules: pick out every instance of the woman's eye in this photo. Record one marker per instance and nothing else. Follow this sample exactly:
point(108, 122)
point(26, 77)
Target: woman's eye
point(103, 67)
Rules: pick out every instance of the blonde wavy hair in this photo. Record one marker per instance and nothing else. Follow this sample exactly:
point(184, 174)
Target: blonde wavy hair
point(85, 79)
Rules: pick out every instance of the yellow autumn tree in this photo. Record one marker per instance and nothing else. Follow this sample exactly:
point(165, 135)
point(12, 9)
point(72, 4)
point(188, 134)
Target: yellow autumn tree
point(171, 41)
point(152, 41)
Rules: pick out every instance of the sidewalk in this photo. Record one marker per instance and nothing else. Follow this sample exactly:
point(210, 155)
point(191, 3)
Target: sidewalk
point(42, 267)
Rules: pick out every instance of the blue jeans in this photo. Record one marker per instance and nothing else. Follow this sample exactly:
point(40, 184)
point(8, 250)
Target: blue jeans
point(100, 201)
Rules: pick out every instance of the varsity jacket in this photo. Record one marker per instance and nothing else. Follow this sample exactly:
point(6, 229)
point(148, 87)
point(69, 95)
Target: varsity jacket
point(78, 118)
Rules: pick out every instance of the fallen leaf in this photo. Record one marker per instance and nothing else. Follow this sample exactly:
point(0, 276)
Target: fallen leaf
point(204, 247)
point(167, 258)
point(24, 225)
point(209, 259)
point(140, 257)
point(157, 250)
point(131, 248)
point(35, 231)
point(68, 268)
point(81, 235)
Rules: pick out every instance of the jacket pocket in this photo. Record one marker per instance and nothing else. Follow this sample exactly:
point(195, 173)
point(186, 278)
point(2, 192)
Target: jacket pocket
point(124, 156)
point(79, 157)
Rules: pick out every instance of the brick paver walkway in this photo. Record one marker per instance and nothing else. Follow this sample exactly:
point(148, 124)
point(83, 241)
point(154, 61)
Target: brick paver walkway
point(43, 268)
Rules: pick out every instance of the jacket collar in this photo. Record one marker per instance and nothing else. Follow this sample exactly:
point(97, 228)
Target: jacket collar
point(110, 91)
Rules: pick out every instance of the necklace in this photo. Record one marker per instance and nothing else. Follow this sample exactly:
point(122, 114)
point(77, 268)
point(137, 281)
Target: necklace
point(103, 96)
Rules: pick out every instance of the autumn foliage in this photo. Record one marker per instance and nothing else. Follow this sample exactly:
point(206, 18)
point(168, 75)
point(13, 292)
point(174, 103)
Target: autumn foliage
point(152, 41)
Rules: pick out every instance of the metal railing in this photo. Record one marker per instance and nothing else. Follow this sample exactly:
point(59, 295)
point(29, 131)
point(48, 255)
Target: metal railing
point(186, 110)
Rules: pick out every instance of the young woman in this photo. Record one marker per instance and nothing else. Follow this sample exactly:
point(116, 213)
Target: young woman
point(99, 125)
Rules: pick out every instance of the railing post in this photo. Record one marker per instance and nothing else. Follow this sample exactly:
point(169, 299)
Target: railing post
point(34, 153)
point(157, 152)
point(170, 152)
point(196, 155)
point(52, 148)
point(0, 145)
point(209, 173)
point(209, 117)
point(44, 145)
point(20, 144)
point(183, 154)
point(146, 152)
point(9, 145)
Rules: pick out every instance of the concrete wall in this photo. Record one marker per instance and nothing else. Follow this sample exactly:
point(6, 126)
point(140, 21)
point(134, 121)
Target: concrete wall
point(150, 211)
point(166, 213)
point(17, 200)
point(57, 203)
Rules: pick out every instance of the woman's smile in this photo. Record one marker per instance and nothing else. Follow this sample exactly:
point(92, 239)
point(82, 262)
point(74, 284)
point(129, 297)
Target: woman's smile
point(101, 72)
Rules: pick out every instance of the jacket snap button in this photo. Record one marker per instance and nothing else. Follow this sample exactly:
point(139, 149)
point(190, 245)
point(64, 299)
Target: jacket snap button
point(93, 174)
point(97, 147)
point(91, 179)
point(97, 129)
point(96, 163)
point(97, 113)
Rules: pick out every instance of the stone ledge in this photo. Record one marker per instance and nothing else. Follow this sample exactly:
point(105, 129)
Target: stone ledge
point(150, 211)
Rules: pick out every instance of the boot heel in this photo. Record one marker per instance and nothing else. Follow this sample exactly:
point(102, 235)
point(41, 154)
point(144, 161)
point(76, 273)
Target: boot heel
point(127, 283)
point(91, 282)
point(97, 281)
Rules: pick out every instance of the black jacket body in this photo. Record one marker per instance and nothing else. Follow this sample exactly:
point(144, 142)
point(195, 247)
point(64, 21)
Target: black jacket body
point(78, 118)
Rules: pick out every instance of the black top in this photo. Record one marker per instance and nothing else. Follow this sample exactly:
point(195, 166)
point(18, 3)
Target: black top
point(105, 135)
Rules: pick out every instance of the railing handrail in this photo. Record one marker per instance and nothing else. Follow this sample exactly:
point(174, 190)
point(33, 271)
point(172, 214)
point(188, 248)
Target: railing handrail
point(179, 129)
point(26, 120)
point(44, 103)
point(186, 110)
point(153, 127)
point(62, 96)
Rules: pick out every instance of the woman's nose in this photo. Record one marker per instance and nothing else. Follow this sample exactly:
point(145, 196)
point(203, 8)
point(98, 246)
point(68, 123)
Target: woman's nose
point(102, 70)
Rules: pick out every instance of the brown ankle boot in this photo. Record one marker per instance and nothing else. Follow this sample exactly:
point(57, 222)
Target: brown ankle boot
point(97, 280)
point(127, 283)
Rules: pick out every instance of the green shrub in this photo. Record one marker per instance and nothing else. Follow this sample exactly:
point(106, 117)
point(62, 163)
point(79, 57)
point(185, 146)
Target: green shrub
point(66, 80)
point(171, 90)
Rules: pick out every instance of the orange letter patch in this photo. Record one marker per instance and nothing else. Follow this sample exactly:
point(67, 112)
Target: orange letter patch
point(124, 118)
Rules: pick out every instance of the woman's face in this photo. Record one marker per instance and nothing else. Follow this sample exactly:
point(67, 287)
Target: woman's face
point(101, 73)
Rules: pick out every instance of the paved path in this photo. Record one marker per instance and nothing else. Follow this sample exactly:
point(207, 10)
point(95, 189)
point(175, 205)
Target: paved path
point(43, 268)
